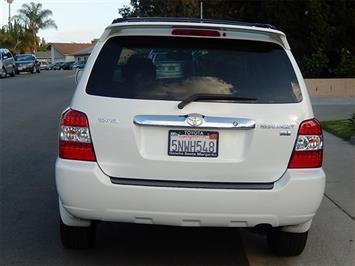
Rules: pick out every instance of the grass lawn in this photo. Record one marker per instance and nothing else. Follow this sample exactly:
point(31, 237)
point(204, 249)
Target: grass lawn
point(342, 128)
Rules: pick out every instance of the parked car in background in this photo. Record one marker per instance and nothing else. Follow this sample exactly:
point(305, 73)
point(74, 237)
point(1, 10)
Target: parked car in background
point(27, 63)
point(7, 63)
point(68, 65)
point(167, 66)
point(58, 66)
point(214, 129)
point(51, 66)
point(79, 64)
point(44, 65)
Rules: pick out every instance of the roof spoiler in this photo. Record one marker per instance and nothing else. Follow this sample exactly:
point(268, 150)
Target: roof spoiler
point(193, 20)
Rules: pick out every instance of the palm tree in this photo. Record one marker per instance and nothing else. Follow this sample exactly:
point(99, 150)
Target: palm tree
point(16, 38)
point(34, 19)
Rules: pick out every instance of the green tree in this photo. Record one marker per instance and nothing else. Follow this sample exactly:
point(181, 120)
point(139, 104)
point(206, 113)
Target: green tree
point(316, 64)
point(346, 66)
point(161, 8)
point(16, 38)
point(316, 29)
point(43, 46)
point(35, 18)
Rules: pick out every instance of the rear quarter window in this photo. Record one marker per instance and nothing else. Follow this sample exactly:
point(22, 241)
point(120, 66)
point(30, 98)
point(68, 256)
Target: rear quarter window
point(174, 68)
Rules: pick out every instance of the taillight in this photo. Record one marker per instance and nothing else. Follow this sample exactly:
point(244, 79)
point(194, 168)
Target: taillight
point(74, 138)
point(308, 150)
point(196, 32)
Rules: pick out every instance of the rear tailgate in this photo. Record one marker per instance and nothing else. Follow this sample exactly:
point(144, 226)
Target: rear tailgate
point(124, 84)
point(127, 150)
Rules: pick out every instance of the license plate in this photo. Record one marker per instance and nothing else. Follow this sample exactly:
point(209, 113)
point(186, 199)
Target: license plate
point(193, 143)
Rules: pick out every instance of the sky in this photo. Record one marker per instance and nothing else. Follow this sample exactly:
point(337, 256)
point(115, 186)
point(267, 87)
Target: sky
point(77, 20)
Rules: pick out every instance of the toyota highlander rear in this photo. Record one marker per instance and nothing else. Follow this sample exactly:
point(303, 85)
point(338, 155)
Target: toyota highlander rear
point(190, 123)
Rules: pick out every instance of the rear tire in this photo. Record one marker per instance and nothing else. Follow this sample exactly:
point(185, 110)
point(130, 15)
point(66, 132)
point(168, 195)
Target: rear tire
point(286, 243)
point(4, 73)
point(77, 237)
point(12, 73)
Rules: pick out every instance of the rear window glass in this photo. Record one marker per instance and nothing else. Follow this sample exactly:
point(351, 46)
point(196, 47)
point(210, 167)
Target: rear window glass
point(24, 57)
point(174, 68)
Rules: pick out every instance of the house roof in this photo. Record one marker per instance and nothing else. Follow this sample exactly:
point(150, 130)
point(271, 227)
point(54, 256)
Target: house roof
point(85, 51)
point(69, 48)
point(43, 54)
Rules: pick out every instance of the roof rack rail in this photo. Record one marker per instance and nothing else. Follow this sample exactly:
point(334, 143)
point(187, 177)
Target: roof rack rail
point(192, 20)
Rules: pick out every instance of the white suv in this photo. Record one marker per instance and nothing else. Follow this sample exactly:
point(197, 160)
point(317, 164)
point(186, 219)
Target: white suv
point(219, 132)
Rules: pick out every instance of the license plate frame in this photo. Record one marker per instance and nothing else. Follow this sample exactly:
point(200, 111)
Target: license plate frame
point(194, 150)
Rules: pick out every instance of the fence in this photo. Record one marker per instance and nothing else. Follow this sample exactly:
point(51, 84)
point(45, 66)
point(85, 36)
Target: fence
point(331, 87)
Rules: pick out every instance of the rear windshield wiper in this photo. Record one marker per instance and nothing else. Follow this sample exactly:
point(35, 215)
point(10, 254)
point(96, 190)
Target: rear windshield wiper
point(210, 96)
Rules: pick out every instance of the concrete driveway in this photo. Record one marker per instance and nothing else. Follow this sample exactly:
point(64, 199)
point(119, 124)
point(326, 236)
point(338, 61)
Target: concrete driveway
point(333, 108)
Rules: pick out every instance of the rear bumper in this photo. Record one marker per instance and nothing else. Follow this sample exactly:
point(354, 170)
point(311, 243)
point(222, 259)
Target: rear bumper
point(87, 193)
point(25, 69)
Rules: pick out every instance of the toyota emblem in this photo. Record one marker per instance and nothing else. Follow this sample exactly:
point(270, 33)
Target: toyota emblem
point(194, 120)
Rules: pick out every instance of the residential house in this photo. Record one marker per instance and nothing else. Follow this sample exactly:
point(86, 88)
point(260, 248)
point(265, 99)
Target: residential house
point(43, 56)
point(64, 51)
point(83, 54)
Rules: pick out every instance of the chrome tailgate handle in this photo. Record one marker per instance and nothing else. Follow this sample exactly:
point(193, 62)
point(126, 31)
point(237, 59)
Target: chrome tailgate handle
point(194, 121)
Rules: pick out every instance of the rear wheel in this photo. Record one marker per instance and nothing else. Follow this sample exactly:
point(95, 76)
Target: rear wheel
point(77, 237)
point(286, 243)
point(13, 73)
point(4, 73)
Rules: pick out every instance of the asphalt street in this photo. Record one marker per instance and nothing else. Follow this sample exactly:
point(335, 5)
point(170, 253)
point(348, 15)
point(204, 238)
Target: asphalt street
point(30, 107)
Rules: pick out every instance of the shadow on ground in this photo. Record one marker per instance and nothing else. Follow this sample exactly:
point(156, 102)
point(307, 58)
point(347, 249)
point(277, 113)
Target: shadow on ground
point(131, 244)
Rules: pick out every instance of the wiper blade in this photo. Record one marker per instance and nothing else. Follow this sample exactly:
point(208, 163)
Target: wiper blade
point(210, 96)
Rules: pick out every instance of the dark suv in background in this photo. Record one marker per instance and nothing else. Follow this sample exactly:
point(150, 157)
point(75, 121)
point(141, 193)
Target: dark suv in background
point(27, 63)
point(79, 65)
point(68, 65)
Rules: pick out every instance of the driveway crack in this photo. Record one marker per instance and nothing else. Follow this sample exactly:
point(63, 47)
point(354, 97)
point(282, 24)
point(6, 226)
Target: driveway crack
point(341, 208)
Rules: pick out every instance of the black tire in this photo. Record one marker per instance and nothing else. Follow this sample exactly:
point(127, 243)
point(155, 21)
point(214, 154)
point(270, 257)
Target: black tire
point(13, 73)
point(75, 237)
point(4, 70)
point(285, 243)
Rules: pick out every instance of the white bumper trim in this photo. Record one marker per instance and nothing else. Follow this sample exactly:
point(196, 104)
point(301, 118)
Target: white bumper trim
point(87, 193)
